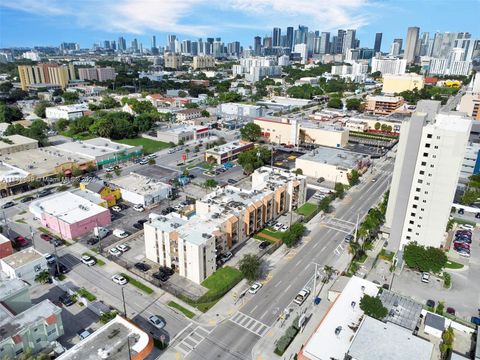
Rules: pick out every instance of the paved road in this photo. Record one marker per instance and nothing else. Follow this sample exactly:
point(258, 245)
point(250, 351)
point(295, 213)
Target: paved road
point(235, 339)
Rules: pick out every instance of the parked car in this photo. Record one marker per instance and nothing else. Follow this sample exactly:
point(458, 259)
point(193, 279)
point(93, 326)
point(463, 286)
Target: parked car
point(349, 237)
point(142, 266)
point(115, 252)
point(46, 237)
point(277, 226)
point(254, 288)
point(431, 303)
point(116, 208)
point(320, 180)
point(119, 233)
point(138, 207)
point(57, 242)
point(263, 245)
point(92, 241)
point(63, 269)
point(156, 321)
point(475, 320)
point(226, 256)
point(466, 227)
point(460, 244)
point(44, 192)
point(88, 260)
point(50, 259)
point(65, 299)
point(301, 296)
point(119, 279)
point(450, 310)
point(8, 204)
point(83, 334)
point(284, 228)
point(123, 247)
point(464, 253)
point(166, 270)
point(232, 181)
point(143, 162)
point(20, 241)
point(160, 276)
point(26, 199)
point(138, 226)
point(425, 277)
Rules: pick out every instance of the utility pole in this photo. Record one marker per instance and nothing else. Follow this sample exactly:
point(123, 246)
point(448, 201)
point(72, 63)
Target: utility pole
point(126, 318)
point(314, 283)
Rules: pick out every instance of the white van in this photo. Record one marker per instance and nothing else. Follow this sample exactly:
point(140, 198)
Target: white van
point(119, 233)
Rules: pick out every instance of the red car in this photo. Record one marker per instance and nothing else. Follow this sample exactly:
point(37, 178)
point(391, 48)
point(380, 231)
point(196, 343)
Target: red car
point(462, 245)
point(46, 237)
point(20, 241)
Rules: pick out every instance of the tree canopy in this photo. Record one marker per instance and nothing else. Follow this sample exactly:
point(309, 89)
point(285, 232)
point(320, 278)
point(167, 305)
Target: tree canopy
point(254, 158)
point(425, 259)
point(249, 265)
point(372, 306)
point(9, 113)
point(250, 132)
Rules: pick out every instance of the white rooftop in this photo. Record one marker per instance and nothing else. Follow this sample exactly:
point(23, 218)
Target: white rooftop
point(93, 148)
point(22, 257)
point(139, 184)
point(453, 122)
point(9, 173)
point(71, 108)
point(382, 98)
point(15, 140)
point(376, 340)
point(335, 157)
point(68, 207)
point(230, 146)
point(344, 313)
point(182, 129)
point(11, 287)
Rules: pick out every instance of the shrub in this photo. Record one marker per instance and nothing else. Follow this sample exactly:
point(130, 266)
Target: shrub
point(447, 280)
point(372, 306)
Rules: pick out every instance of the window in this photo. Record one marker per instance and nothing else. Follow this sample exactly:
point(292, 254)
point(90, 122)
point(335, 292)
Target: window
point(414, 206)
point(429, 136)
point(38, 340)
point(411, 222)
point(427, 145)
point(408, 237)
point(412, 214)
point(422, 172)
point(434, 156)
point(438, 137)
point(417, 189)
point(409, 230)
point(425, 154)
point(416, 198)
point(424, 163)
point(435, 147)
point(420, 181)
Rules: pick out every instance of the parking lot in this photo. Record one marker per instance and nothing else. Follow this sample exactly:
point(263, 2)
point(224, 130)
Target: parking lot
point(464, 294)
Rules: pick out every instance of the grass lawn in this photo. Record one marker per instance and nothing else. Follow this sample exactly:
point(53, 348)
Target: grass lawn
point(453, 265)
point(185, 312)
point(386, 255)
point(276, 234)
point(86, 294)
point(137, 284)
point(100, 262)
point(307, 209)
point(149, 146)
point(467, 222)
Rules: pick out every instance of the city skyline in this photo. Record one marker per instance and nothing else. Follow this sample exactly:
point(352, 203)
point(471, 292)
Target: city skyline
point(59, 24)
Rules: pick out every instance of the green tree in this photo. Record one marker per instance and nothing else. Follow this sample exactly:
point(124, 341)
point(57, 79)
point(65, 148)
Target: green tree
point(298, 171)
point(191, 105)
point(5, 87)
point(377, 125)
point(250, 265)
point(42, 277)
point(372, 306)
point(335, 103)
point(354, 104)
point(107, 317)
point(205, 113)
point(76, 172)
point(294, 234)
point(70, 96)
point(469, 197)
point(428, 259)
point(118, 172)
point(210, 183)
point(250, 132)
point(17, 94)
point(448, 337)
point(61, 124)
point(109, 102)
point(354, 177)
point(39, 109)
point(9, 114)
point(254, 158)
point(329, 271)
point(339, 190)
point(229, 97)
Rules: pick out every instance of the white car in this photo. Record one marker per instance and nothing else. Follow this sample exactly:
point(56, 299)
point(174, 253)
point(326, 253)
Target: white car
point(119, 279)
point(116, 208)
point(50, 259)
point(109, 169)
point(88, 260)
point(122, 234)
point(301, 296)
point(123, 247)
point(466, 227)
point(138, 207)
point(277, 226)
point(254, 288)
point(284, 228)
point(425, 277)
point(115, 252)
point(227, 256)
point(156, 321)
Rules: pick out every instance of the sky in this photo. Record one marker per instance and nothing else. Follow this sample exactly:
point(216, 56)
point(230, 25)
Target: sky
point(50, 22)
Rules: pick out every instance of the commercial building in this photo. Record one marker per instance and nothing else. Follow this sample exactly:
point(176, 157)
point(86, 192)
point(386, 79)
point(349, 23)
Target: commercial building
point(103, 191)
point(428, 162)
point(101, 151)
point(383, 105)
point(24, 265)
point(45, 74)
point(223, 219)
point(6, 248)
point(227, 152)
point(172, 61)
point(281, 103)
point(295, 132)
point(26, 326)
point(110, 342)
point(69, 214)
point(183, 133)
point(142, 190)
point(389, 65)
point(395, 84)
point(411, 45)
point(369, 123)
point(68, 112)
point(188, 114)
point(15, 143)
point(203, 62)
point(239, 111)
point(332, 164)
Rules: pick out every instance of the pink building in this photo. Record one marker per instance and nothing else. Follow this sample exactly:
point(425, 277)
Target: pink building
point(69, 214)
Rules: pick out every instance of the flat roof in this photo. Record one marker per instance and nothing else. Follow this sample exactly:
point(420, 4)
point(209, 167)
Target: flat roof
point(110, 342)
point(230, 146)
point(22, 257)
point(334, 156)
point(383, 98)
point(16, 140)
point(42, 160)
point(9, 173)
point(344, 314)
point(180, 129)
point(157, 172)
point(68, 207)
point(12, 324)
point(93, 148)
point(139, 184)
point(11, 287)
point(452, 121)
point(70, 108)
point(376, 340)
point(402, 310)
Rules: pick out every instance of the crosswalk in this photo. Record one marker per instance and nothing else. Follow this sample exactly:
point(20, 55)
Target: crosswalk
point(339, 225)
point(195, 337)
point(250, 324)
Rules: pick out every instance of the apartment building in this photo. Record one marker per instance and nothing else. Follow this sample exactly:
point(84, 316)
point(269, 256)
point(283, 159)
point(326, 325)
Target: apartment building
point(389, 65)
point(383, 105)
point(25, 325)
point(97, 73)
point(224, 219)
point(15, 143)
point(294, 132)
point(470, 102)
point(172, 61)
point(428, 163)
point(203, 62)
point(47, 73)
point(188, 114)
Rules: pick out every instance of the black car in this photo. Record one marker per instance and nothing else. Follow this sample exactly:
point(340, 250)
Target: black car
point(63, 269)
point(431, 303)
point(160, 276)
point(142, 267)
point(263, 245)
point(191, 176)
point(26, 199)
point(138, 226)
point(166, 270)
point(142, 221)
point(65, 299)
point(8, 204)
point(167, 210)
point(92, 241)
point(232, 181)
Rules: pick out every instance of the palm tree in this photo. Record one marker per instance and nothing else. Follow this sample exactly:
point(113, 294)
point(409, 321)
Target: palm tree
point(328, 273)
point(42, 277)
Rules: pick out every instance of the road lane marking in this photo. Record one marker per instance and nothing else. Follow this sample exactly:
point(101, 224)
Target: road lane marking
point(278, 283)
point(248, 323)
point(298, 262)
point(254, 308)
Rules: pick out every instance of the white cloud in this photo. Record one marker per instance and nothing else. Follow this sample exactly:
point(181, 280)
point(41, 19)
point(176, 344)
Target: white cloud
point(200, 17)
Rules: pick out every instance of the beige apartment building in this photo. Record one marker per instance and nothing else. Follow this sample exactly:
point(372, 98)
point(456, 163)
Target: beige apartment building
point(172, 61)
point(48, 73)
point(224, 219)
point(203, 62)
point(383, 105)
